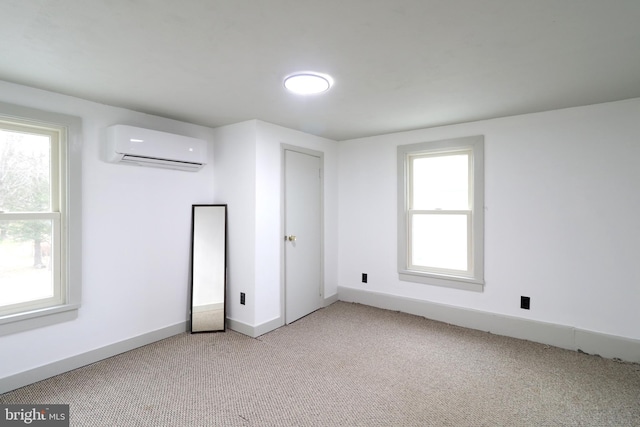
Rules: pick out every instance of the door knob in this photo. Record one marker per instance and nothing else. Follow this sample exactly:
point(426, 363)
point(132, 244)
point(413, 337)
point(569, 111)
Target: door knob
point(290, 238)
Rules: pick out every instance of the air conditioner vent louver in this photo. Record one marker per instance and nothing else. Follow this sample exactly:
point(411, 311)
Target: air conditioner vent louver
point(145, 147)
point(160, 163)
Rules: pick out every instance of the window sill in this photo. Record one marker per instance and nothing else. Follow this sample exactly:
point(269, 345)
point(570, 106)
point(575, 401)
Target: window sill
point(20, 322)
point(462, 283)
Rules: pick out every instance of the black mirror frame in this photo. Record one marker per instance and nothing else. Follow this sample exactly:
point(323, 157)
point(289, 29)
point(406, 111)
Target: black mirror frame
point(193, 231)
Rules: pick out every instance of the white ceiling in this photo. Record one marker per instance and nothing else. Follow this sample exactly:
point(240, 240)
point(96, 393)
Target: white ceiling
point(397, 64)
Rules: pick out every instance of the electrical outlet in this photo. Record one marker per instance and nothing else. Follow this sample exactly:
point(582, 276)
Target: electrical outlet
point(364, 277)
point(525, 303)
point(242, 298)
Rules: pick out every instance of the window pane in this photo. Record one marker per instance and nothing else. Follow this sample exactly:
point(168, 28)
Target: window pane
point(24, 172)
point(439, 241)
point(25, 261)
point(440, 182)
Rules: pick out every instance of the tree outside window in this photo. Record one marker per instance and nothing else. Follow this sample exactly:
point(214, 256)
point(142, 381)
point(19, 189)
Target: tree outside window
point(26, 216)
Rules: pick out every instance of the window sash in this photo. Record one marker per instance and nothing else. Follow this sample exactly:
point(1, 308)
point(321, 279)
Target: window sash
point(57, 164)
point(59, 296)
point(68, 130)
point(411, 212)
point(55, 157)
point(471, 278)
point(467, 271)
point(412, 157)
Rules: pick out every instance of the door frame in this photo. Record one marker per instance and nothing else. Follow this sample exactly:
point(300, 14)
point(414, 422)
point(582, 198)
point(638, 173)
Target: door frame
point(283, 285)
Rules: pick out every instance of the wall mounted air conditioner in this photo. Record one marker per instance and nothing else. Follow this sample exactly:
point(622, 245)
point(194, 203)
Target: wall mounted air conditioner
point(145, 147)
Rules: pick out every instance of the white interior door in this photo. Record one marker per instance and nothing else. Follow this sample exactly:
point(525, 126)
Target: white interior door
point(303, 234)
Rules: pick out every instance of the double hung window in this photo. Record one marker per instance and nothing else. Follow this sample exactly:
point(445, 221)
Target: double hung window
point(37, 240)
point(440, 222)
point(30, 217)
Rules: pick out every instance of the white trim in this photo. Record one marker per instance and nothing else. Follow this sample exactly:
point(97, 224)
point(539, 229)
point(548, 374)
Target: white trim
point(563, 336)
point(20, 322)
point(271, 325)
point(28, 216)
point(456, 282)
point(459, 280)
point(330, 300)
point(61, 366)
point(609, 346)
point(605, 345)
point(254, 331)
point(70, 149)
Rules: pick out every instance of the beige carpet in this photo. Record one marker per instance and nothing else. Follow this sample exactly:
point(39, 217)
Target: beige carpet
point(347, 365)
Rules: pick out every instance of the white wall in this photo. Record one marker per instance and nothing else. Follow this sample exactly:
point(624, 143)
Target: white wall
point(136, 239)
point(235, 186)
point(270, 235)
point(561, 217)
point(562, 204)
point(248, 175)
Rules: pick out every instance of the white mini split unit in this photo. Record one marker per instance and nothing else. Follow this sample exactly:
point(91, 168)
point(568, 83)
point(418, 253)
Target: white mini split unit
point(145, 147)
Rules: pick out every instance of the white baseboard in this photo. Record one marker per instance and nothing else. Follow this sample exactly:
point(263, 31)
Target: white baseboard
point(563, 336)
point(61, 366)
point(609, 346)
point(254, 331)
point(330, 300)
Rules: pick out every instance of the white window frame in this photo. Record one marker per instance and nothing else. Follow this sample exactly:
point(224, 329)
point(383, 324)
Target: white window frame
point(473, 278)
point(65, 214)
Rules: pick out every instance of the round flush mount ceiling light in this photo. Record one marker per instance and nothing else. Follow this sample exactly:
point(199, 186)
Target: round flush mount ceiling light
point(308, 83)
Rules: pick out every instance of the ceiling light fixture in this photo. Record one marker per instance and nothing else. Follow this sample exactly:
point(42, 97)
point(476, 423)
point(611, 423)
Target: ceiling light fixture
point(308, 83)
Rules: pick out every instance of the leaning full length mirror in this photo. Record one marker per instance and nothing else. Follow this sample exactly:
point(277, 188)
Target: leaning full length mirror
point(208, 267)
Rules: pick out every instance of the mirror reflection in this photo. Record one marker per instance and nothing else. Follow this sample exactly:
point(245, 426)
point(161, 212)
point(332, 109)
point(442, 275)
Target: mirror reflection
point(208, 268)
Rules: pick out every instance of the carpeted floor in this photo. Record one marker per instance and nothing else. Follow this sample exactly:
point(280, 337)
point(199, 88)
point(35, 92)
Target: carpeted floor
point(347, 365)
